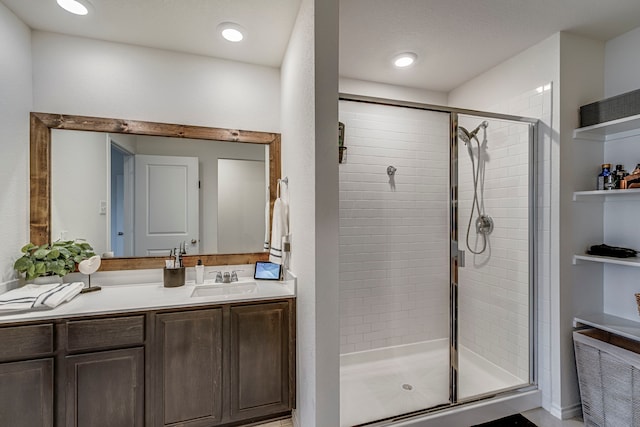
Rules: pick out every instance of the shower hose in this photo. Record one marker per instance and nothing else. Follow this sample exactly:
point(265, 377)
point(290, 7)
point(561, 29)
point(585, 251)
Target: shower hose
point(475, 205)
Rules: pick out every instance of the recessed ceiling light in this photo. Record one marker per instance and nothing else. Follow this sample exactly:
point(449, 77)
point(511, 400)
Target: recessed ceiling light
point(404, 59)
point(74, 6)
point(231, 31)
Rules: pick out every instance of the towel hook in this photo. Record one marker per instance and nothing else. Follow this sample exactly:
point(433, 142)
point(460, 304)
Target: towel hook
point(280, 181)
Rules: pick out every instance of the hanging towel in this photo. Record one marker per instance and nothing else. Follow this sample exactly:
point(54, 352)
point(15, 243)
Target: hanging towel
point(32, 296)
point(280, 227)
point(267, 212)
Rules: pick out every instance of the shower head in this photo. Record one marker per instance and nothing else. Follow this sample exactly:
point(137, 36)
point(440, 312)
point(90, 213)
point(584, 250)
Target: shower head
point(466, 136)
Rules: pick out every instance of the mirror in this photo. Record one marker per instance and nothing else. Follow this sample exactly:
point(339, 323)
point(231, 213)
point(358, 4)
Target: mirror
point(230, 165)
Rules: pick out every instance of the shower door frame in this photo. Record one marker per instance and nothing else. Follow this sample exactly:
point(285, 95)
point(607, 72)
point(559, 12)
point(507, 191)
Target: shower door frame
point(454, 248)
point(455, 252)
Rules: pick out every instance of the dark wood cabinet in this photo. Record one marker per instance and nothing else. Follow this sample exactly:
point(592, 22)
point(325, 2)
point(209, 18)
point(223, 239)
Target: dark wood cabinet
point(216, 365)
point(260, 355)
point(189, 368)
point(26, 393)
point(105, 389)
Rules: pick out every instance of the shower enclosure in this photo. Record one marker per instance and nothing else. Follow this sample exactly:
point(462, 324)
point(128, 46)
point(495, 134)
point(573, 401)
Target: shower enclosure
point(436, 258)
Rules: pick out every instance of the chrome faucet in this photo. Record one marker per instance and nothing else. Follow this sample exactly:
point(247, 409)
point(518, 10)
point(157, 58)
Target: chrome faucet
point(226, 277)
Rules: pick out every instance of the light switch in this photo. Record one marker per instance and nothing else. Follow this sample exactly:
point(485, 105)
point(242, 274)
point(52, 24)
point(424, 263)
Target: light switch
point(102, 210)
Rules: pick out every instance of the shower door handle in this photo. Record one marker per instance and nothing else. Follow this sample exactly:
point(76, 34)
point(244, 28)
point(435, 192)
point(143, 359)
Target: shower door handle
point(457, 254)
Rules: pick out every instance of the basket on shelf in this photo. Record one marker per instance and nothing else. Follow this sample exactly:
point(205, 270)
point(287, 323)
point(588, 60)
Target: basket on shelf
point(638, 302)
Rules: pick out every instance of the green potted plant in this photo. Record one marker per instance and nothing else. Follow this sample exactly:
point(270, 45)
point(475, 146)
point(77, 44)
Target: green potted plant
point(58, 258)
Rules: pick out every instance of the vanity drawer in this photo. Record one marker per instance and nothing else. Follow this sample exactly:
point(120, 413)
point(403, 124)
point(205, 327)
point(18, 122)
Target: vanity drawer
point(105, 333)
point(23, 342)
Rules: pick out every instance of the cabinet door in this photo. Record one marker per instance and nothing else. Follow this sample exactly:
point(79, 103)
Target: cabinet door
point(26, 394)
point(189, 371)
point(105, 389)
point(259, 360)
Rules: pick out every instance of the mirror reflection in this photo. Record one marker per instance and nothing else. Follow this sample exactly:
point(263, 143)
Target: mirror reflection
point(135, 195)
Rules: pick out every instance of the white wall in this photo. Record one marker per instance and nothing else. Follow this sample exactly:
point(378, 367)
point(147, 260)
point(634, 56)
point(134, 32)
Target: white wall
point(622, 71)
point(78, 185)
point(309, 159)
point(574, 66)
point(74, 75)
point(500, 89)
point(622, 64)
point(15, 104)
point(394, 235)
point(581, 82)
point(529, 69)
point(399, 93)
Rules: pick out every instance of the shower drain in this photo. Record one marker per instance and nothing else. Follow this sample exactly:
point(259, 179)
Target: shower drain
point(407, 387)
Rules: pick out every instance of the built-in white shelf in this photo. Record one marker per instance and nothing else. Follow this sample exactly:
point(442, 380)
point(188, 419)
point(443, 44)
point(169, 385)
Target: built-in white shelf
point(607, 194)
point(628, 262)
point(614, 129)
point(614, 324)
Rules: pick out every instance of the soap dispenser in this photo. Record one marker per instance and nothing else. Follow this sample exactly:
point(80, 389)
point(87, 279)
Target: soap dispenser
point(199, 273)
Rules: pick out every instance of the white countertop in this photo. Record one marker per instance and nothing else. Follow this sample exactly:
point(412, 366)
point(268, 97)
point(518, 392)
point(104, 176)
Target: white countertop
point(150, 296)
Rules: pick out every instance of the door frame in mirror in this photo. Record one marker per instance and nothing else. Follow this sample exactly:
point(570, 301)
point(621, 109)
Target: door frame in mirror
point(40, 175)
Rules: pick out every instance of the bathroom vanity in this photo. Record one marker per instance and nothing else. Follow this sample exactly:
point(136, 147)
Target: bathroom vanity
point(146, 355)
point(175, 360)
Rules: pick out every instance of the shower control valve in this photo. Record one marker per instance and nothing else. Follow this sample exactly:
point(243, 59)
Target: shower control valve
point(484, 225)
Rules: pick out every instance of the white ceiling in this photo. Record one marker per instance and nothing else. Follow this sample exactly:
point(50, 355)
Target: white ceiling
point(458, 39)
point(455, 39)
point(178, 25)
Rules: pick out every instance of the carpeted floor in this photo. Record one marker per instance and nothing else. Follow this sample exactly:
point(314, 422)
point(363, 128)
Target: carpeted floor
point(510, 421)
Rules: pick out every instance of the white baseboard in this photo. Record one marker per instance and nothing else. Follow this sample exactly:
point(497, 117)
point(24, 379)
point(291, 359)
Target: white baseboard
point(566, 412)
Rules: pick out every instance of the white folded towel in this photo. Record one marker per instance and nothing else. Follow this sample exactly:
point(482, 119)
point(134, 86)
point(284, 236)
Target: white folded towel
point(279, 230)
point(38, 296)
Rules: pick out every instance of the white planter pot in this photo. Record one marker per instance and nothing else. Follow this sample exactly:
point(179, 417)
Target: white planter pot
point(45, 280)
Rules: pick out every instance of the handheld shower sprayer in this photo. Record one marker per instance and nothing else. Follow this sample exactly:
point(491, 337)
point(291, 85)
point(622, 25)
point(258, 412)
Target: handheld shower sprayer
point(467, 136)
point(484, 223)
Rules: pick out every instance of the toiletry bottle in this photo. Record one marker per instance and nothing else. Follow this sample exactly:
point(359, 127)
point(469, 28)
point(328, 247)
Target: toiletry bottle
point(604, 177)
point(199, 273)
point(619, 175)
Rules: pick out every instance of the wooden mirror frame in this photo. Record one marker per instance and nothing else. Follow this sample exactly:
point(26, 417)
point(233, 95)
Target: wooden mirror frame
point(40, 176)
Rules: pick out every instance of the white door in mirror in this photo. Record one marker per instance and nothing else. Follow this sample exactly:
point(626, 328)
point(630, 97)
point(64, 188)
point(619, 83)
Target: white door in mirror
point(167, 204)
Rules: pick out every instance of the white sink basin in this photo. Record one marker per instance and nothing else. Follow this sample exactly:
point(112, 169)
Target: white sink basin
point(225, 289)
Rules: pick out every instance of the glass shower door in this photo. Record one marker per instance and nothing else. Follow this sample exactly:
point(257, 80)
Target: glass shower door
point(493, 288)
point(394, 252)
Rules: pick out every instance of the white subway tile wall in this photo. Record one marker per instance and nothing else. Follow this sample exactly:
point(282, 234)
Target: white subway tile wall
point(377, 309)
point(394, 238)
point(494, 290)
point(494, 285)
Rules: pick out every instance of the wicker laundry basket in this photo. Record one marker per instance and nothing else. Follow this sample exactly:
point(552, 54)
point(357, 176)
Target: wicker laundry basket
point(609, 377)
